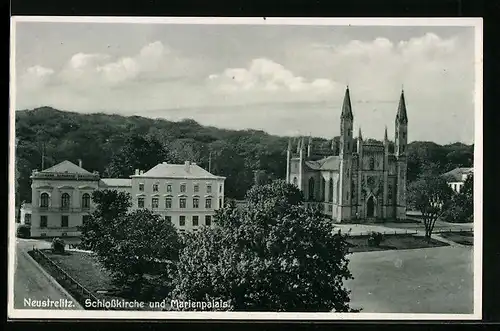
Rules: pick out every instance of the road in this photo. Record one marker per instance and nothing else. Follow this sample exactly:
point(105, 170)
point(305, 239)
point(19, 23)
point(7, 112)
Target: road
point(31, 283)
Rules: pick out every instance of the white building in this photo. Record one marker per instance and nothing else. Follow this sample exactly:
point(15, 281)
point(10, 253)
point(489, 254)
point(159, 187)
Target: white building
point(456, 177)
point(186, 194)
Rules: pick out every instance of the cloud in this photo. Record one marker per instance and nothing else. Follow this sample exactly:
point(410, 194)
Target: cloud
point(265, 75)
point(36, 77)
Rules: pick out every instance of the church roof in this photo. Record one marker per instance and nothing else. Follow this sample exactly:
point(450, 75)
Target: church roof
point(401, 116)
point(346, 106)
point(66, 167)
point(328, 163)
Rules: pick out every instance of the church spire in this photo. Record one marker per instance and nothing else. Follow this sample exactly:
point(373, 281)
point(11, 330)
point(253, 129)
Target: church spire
point(385, 134)
point(360, 136)
point(346, 106)
point(289, 148)
point(401, 116)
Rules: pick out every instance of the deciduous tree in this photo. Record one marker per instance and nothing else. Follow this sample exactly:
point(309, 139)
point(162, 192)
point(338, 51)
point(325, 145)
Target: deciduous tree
point(271, 255)
point(430, 195)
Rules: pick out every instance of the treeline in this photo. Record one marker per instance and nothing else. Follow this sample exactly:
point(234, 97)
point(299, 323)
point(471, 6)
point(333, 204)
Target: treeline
point(115, 145)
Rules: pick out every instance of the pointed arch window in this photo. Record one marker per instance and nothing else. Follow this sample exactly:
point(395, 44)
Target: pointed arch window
point(324, 188)
point(331, 190)
point(86, 201)
point(65, 200)
point(311, 188)
point(44, 200)
point(372, 163)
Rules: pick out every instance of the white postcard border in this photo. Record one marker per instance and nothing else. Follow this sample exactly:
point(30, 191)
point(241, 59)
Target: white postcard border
point(141, 315)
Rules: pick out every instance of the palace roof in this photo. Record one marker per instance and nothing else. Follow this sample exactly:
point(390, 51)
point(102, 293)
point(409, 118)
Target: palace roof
point(66, 167)
point(186, 171)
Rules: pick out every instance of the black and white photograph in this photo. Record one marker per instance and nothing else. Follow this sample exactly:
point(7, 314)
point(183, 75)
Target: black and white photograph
point(245, 168)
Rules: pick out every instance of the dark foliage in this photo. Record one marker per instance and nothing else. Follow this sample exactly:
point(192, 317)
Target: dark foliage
point(139, 248)
point(23, 231)
point(117, 145)
point(58, 246)
point(375, 239)
point(270, 255)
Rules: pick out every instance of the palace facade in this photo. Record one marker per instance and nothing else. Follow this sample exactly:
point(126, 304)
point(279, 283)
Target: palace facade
point(185, 194)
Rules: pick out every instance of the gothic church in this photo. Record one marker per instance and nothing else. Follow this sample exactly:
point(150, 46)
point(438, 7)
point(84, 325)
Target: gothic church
point(364, 182)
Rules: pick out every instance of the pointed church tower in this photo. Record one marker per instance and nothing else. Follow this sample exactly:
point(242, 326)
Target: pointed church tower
point(346, 147)
point(309, 147)
point(401, 142)
point(385, 202)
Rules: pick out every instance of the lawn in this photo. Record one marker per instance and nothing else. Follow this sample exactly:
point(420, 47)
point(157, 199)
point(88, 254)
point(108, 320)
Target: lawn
point(433, 280)
point(392, 242)
point(86, 270)
point(463, 238)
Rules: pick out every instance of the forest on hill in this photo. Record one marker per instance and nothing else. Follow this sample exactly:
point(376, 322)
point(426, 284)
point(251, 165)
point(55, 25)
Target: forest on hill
point(115, 145)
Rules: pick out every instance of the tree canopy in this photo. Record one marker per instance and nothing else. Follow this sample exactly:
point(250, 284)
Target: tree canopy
point(265, 258)
point(117, 145)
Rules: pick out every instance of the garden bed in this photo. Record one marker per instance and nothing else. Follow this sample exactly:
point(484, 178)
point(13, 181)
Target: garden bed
point(462, 237)
point(87, 271)
point(392, 242)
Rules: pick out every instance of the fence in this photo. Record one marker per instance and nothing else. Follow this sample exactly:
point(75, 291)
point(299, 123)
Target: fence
point(412, 232)
point(77, 290)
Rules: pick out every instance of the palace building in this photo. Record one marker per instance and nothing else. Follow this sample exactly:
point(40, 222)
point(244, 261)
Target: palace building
point(185, 194)
point(363, 181)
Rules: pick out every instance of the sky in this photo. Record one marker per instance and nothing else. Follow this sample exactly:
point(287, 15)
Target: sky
point(283, 79)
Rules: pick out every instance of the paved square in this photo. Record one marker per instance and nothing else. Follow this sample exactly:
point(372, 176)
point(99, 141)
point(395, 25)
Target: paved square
point(430, 280)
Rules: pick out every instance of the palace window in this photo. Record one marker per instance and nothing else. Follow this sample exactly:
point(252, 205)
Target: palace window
point(168, 203)
point(208, 203)
point(196, 188)
point(141, 187)
point(169, 187)
point(195, 220)
point(140, 202)
point(155, 187)
point(85, 219)
point(183, 188)
point(44, 200)
point(196, 203)
point(220, 188)
point(209, 188)
point(182, 220)
point(154, 203)
point(43, 221)
point(65, 200)
point(64, 221)
point(182, 203)
point(27, 219)
point(86, 201)
point(168, 218)
point(208, 220)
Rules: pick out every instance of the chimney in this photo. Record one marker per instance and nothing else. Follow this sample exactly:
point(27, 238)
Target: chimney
point(136, 172)
point(141, 172)
point(187, 165)
point(80, 163)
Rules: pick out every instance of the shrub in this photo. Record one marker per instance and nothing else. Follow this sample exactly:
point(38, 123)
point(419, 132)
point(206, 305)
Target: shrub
point(375, 239)
point(24, 231)
point(58, 246)
point(456, 214)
